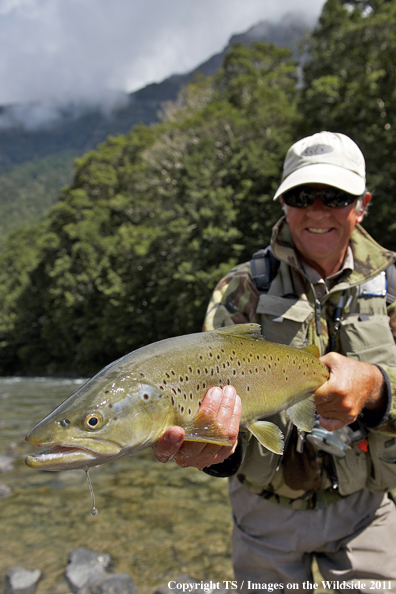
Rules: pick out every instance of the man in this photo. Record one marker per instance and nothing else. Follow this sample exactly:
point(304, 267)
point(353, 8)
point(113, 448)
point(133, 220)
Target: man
point(327, 495)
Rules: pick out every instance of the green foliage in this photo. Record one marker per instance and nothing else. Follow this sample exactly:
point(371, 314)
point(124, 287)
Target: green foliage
point(152, 220)
point(28, 191)
point(350, 87)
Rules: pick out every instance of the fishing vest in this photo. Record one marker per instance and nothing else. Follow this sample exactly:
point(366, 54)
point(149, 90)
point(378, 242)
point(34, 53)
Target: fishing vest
point(361, 332)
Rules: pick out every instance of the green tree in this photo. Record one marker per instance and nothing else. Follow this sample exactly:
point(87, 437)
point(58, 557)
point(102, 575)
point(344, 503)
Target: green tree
point(350, 87)
point(152, 220)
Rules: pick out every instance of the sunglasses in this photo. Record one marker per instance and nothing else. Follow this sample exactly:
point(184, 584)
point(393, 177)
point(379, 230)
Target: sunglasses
point(303, 196)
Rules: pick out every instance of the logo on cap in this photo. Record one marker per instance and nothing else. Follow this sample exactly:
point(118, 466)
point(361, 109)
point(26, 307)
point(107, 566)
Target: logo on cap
point(317, 149)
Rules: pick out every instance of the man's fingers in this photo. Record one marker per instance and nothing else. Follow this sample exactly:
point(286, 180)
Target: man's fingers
point(213, 401)
point(223, 405)
point(168, 444)
point(331, 424)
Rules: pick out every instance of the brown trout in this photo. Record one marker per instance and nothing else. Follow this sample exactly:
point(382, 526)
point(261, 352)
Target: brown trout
point(131, 402)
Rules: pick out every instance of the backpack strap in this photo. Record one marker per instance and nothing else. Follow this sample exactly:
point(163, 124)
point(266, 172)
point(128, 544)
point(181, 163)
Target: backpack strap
point(390, 284)
point(264, 267)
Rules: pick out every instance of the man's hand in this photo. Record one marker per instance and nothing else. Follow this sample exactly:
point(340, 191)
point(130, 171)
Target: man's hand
point(226, 407)
point(352, 385)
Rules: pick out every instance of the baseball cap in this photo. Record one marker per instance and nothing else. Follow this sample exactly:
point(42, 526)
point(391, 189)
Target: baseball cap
point(324, 158)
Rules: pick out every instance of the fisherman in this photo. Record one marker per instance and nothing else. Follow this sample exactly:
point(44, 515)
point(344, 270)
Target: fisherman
point(328, 495)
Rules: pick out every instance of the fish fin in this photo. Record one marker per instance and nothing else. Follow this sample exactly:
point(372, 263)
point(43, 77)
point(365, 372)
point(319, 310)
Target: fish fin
point(205, 427)
point(312, 350)
point(302, 414)
point(268, 434)
point(249, 331)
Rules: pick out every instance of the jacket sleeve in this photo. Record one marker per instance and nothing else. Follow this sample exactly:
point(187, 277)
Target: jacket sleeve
point(234, 300)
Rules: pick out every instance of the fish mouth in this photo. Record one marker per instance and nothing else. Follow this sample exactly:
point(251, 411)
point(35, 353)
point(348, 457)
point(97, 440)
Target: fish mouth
point(71, 457)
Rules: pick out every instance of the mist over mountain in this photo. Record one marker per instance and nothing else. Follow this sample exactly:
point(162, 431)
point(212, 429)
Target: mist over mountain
point(33, 131)
point(39, 141)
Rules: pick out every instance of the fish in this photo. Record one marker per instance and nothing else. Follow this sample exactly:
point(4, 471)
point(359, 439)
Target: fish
point(130, 403)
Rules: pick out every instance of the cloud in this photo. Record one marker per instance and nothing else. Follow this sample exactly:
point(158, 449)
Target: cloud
point(61, 51)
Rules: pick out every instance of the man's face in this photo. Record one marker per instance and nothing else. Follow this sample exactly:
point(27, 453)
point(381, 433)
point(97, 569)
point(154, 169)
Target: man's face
point(321, 233)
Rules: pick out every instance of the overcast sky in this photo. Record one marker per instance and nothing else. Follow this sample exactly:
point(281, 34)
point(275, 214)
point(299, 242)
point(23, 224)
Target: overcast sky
point(62, 50)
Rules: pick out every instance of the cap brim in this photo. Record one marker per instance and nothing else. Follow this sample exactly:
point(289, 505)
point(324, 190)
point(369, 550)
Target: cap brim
point(330, 175)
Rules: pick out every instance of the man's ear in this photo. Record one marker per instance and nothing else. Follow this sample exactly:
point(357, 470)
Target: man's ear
point(363, 208)
point(284, 206)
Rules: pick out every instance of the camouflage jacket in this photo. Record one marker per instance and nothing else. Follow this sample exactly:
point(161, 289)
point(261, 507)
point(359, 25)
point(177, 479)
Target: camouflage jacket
point(291, 312)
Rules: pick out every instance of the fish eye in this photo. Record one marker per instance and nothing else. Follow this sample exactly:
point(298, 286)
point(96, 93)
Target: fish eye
point(93, 421)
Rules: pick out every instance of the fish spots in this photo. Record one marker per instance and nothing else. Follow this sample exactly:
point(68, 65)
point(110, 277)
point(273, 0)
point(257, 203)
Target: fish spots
point(141, 374)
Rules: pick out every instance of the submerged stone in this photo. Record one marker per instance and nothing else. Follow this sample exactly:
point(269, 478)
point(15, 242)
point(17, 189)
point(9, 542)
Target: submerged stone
point(86, 568)
point(119, 583)
point(22, 581)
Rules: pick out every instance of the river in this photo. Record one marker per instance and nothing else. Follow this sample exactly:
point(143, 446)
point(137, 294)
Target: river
point(156, 521)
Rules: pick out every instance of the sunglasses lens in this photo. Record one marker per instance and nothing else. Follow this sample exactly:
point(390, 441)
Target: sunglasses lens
point(337, 198)
point(302, 197)
point(299, 197)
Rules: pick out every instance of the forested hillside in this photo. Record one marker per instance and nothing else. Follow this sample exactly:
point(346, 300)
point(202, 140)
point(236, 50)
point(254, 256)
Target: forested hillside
point(152, 219)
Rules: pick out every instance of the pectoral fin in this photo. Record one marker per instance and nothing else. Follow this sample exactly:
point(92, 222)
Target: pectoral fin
point(205, 427)
point(302, 414)
point(268, 434)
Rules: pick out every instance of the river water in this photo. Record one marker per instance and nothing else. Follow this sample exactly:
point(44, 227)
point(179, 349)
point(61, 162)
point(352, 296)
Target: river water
point(156, 521)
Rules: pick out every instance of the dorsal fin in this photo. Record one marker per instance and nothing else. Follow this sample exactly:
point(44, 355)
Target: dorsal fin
point(247, 331)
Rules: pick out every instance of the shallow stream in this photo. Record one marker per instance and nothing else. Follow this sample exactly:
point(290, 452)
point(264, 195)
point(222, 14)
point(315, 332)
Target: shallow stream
point(156, 521)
